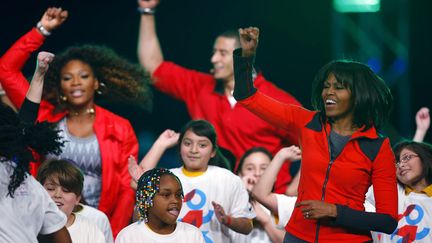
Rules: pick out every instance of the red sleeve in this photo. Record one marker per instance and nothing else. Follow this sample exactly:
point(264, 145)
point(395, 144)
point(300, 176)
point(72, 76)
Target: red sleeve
point(181, 83)
point(11, 63)
point(384, 181)
point(123, 211)
point(275, 92)
point(281, 115)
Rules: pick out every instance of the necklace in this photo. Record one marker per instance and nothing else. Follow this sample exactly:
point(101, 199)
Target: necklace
point(89, 111)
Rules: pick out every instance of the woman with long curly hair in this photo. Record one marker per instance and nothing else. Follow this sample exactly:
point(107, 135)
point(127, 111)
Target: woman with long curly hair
point(99, 141)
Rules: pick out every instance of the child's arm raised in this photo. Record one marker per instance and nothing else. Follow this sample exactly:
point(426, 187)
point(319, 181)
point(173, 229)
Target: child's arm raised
point(262, 190)
point(166, 140)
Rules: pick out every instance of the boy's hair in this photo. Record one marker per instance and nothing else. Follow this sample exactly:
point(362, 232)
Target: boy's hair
point(148, 186)
point(68, 175)
point(232, 34)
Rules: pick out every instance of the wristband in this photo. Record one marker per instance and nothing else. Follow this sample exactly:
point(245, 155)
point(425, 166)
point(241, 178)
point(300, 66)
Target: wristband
point(146, 11)
point(228, 220)
point(42, 29)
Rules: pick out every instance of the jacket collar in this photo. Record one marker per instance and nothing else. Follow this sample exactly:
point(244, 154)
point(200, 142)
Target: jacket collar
point(316, 124)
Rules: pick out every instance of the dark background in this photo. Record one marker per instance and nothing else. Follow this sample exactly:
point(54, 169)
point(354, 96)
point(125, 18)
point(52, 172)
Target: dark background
point(296, 40)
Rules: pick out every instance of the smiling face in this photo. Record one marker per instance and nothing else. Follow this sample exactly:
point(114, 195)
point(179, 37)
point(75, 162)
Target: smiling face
point(78, 84)
point(167, 204)
point(253, 167)
point(337, 99)
point(222, 58)
point(196, 151)
point(64, 199)
point(410, 170)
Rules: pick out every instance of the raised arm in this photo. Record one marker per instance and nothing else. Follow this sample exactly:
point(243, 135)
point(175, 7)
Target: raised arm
point(149, 50)
point(11, 63)
point(34, 94)
point(262, 191)
point(30, 107)
point(166, 140)
point(422, 124)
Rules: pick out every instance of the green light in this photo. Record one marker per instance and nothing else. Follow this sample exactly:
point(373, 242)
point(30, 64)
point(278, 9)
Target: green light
point(355, 6)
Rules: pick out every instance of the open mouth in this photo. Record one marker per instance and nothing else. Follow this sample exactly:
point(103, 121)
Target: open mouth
point(77, 93)
point(330, 102)
point(403, 172)
point(174, 211)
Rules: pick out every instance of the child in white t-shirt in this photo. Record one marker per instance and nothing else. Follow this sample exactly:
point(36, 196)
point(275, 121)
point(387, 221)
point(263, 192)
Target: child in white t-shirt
point(279, 204)
point(98, 218)
point(64, 183)
point(216, 200)
point(251, 167)
point(414, 174)
point(159, 199)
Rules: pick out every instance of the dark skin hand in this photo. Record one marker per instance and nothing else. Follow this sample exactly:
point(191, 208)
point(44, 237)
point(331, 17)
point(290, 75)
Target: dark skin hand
point(314, 209)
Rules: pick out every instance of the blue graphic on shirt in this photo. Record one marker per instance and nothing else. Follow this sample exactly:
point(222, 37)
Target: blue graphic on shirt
point(195, 215)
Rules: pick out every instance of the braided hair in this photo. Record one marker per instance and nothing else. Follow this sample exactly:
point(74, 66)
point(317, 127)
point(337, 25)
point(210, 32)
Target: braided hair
point(19, 139)
point(148, 186)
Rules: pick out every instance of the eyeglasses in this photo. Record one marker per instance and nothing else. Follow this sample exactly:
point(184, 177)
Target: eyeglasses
point(405, 159)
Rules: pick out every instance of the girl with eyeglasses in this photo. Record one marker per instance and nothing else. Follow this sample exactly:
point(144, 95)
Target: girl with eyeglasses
point(414, 175)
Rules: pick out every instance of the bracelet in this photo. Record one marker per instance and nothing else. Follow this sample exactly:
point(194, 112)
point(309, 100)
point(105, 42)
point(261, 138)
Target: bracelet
point(42, 29)
point(228, 220)
point(2, 92)
point(146, 11)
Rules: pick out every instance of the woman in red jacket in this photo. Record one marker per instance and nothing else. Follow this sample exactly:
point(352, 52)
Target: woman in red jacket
point(99, 141)
point(342, 152)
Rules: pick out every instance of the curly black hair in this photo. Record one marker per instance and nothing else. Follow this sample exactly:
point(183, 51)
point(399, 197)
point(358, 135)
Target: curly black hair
point(18, 139)
point(120, 79)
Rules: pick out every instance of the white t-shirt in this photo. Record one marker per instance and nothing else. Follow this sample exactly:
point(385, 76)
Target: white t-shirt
point(140, 232)
point(84, 231)
point(98, 218)
point(415, 223)
point(30, 212)
point(257, 235)
point(219, 185)
point(286, 206)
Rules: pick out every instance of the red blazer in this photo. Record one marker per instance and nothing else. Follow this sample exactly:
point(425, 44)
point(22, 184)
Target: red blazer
point(366, 159)
point(115, 134)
